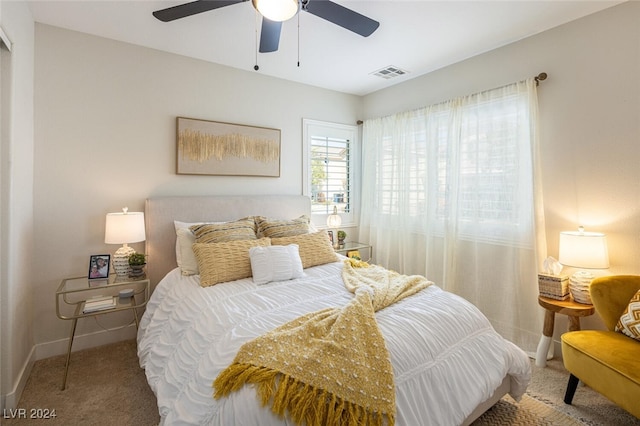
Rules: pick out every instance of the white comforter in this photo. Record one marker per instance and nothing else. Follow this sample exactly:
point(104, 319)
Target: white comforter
point(446, 356)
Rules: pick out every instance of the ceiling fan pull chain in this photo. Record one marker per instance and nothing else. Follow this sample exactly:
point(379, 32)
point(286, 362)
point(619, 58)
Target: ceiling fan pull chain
point(298, 40)
point(256, 67)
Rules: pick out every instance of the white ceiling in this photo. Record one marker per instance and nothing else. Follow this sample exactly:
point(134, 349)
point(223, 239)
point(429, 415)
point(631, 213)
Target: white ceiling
point(418, 36)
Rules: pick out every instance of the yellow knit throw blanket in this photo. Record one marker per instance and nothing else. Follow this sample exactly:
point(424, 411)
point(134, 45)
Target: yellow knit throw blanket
point(329, 367)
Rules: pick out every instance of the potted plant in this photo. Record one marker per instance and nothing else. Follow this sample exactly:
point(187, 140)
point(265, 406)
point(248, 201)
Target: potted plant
point(341, 236)
point(137, 262)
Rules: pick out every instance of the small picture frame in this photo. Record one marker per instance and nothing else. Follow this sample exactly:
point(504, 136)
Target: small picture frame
point(99, 266)
point(330, 233)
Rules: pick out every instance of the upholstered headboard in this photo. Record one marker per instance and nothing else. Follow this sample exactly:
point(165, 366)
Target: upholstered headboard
point(162, 211)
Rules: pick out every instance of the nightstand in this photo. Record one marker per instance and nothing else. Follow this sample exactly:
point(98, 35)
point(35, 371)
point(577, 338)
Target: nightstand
point(567, 307)
point(72, 294)
point(350, 246)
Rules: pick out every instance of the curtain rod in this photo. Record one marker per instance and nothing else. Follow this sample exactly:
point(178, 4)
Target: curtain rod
point(538, 78)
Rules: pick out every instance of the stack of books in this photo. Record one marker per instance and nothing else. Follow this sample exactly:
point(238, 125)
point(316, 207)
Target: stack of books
point(99, 303)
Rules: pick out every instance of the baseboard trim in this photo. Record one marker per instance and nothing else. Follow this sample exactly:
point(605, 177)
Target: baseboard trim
point(59, 347)
point(84, 341)
point(10, 400)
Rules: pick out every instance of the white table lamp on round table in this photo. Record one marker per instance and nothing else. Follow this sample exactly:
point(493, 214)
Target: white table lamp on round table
point(583, 250)
point(123, 228)
point(334, 221)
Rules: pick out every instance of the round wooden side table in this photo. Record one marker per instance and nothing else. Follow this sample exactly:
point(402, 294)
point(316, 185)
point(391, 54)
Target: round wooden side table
point(552, 307)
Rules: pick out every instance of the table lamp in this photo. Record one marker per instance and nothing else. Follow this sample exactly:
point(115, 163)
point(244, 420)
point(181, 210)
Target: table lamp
point(334, 221)
point(123, 228)
point(584, 250)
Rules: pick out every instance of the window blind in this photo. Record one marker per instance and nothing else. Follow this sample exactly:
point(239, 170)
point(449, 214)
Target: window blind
point(330, 174)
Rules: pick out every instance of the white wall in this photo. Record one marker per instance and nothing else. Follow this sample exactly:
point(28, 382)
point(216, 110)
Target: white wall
point(105, 138)
point(16, 186)
point(589, 117)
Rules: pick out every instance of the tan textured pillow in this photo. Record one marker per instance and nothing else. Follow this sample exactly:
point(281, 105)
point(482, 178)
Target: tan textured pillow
point(243, 229)
point(629, 322)
point(227, 261)
point(315, 249)
point(276, 228)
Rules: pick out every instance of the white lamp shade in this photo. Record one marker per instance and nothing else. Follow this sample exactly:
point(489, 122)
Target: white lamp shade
point(584, 250)
point(276, 10)
point(334, 220)
point(124, 227)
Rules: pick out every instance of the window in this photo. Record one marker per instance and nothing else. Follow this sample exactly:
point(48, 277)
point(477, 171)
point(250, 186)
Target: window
point(329, 170)
point(457, 162)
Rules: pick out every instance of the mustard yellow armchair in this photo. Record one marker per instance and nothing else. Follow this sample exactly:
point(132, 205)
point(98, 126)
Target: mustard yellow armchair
point(605, 360)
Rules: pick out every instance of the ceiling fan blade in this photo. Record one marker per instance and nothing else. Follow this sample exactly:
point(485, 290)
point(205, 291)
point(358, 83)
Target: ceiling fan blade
point(192, 8)
point(340, 15)
point(269, 35)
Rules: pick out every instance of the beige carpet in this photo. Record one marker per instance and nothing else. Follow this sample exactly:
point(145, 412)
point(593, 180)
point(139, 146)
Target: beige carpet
point(548, 384)
point(107, 387)
point(528, 411)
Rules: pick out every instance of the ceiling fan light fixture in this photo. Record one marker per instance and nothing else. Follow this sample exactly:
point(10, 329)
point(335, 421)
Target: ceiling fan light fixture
point(276, 10)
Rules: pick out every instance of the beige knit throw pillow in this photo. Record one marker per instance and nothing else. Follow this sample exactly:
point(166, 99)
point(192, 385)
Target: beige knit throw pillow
point(315, 249)
point(228, 261)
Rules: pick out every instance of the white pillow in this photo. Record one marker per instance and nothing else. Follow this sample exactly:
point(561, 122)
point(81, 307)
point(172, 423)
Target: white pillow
point(185, 257)
point(275, 263)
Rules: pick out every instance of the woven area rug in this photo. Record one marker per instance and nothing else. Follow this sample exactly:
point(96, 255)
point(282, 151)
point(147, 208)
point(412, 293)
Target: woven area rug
point(528, 411)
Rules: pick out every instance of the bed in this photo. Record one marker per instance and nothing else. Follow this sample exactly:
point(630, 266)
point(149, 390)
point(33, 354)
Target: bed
point(449, 365)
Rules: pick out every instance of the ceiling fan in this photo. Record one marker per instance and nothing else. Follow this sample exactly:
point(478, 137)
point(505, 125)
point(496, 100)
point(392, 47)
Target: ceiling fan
point(274, 12)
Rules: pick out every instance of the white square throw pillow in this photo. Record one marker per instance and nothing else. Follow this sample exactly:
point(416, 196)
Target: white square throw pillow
point(275, 263)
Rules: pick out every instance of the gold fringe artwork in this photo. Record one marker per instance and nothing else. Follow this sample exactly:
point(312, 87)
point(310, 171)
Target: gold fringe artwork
point(198, 146)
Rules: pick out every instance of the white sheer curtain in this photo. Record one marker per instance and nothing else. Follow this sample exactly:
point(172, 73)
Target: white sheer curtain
point(452, 192)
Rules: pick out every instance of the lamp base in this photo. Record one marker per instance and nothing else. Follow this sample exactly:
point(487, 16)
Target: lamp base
point(121, 261)
point(579, 284)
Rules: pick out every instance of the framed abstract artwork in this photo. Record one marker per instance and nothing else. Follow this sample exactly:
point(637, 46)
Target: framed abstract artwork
point(227, 149)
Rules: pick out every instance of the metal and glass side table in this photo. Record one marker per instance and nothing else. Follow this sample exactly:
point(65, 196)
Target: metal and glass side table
point(354, 248)
point(73, 293)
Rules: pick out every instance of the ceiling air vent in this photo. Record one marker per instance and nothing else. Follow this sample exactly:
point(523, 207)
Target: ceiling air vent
point(389, 72)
